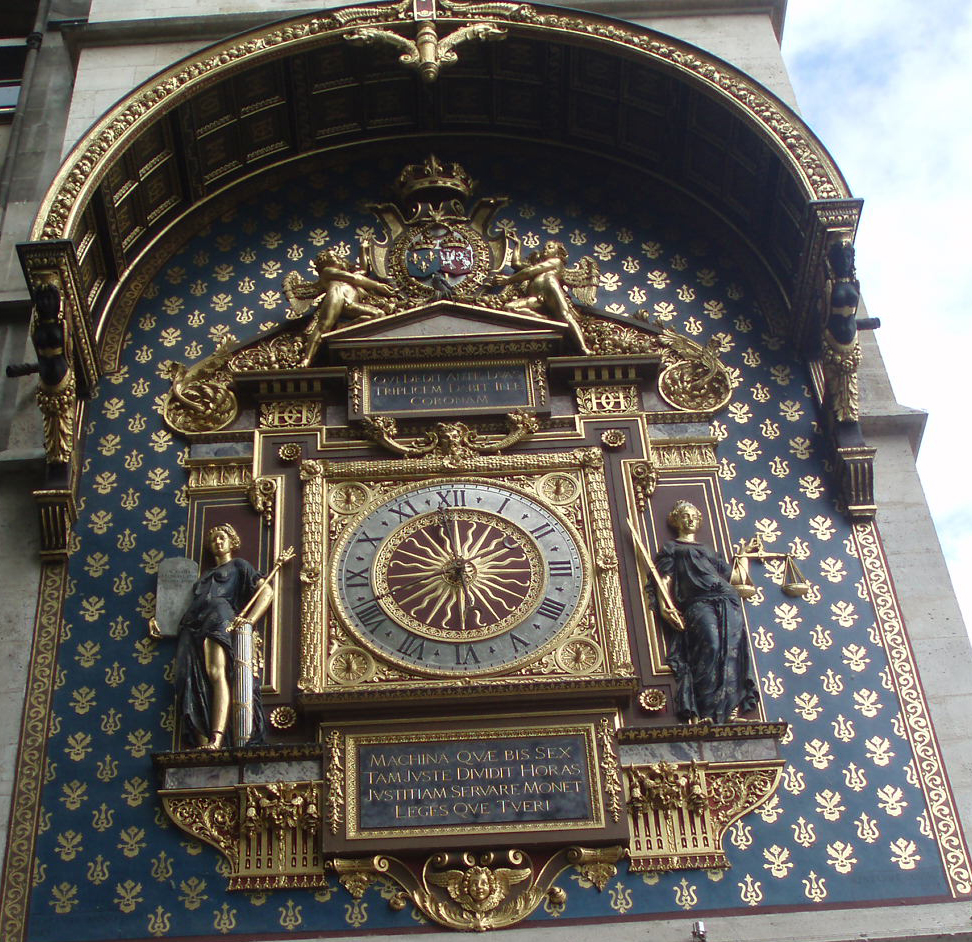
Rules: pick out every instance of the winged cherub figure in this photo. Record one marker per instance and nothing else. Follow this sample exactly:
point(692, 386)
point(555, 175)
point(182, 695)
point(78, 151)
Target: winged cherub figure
point(545, 278)
point(479, 890)
point(341, 289)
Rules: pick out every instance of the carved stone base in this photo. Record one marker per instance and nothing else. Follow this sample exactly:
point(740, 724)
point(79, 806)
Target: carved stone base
point(269, 833)
point(680, 811)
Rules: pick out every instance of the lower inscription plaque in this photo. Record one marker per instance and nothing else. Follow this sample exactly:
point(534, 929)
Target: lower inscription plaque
point(485, 780)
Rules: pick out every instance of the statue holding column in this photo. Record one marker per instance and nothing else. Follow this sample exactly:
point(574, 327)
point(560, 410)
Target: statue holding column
point(217, 677)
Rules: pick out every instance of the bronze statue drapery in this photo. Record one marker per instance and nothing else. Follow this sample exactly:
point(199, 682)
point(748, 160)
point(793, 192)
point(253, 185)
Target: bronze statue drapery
point(709, 652)
point(205, 669)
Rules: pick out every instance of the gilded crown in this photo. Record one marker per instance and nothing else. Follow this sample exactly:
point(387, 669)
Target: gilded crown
point(420, 181)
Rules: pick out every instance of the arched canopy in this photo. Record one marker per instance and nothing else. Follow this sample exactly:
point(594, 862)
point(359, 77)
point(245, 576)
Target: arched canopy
point(287, 90)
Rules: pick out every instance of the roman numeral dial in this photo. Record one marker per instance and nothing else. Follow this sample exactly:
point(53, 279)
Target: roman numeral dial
point(459, 577)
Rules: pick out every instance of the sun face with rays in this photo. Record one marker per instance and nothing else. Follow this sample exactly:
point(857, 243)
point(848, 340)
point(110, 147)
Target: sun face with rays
point(459, 573)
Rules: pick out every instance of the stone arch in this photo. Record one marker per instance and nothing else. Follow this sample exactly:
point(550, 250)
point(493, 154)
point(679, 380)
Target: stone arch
point(247, 104)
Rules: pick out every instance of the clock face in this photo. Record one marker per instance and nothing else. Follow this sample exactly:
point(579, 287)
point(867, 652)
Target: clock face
point(459, 577)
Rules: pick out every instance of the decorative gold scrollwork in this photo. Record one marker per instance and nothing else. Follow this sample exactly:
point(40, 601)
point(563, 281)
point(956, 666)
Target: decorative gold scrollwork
point(268, 832)
point(597, 866)
point(279, 805)
point(214, 819)
point(201, 398)
point(57, 405)
point(694, 378)
point(300, 414)
point(335, 780)
point(608, 400)
point(427, 54)
point(262, 494)
point(666, 786)
point(680, 812)
point(644, 479)
point(283, 351)
point(231, 475)
point(610, 768)
point(453, 441)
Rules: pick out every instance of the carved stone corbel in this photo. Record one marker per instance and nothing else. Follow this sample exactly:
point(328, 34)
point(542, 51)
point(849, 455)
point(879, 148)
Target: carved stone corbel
point(680, 812)
point(476, 891)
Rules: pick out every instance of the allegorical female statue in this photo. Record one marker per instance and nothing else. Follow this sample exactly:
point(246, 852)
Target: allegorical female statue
point(206, 672)
point(709, 653)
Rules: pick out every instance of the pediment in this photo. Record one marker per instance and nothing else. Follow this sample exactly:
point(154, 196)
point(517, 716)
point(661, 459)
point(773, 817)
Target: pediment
point(445, 324)
point(445, 319)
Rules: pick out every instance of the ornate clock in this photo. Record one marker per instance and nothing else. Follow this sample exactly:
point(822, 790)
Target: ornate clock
point(426, 572)
point(459, 577)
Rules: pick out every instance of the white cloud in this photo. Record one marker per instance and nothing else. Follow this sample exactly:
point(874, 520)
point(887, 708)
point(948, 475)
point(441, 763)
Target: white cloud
point(887, 87)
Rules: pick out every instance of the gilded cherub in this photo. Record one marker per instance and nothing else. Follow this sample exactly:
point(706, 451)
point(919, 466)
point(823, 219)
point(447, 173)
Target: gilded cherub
point(545, 278)
point(342, 290)
point(480, 889)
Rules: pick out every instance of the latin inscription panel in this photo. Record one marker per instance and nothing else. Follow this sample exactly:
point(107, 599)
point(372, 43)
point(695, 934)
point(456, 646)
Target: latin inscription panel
point(400, 389)
point(501, 780)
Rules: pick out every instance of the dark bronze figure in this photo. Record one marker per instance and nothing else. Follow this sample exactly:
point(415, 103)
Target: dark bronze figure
point(709, 653)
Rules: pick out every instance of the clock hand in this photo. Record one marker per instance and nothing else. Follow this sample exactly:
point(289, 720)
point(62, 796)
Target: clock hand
point(406, 585)
point(443, 517)
point(455, 545)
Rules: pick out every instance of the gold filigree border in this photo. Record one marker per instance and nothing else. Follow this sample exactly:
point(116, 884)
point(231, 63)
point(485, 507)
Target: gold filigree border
point(35, 723)
point(914, 709)
point(596, 806)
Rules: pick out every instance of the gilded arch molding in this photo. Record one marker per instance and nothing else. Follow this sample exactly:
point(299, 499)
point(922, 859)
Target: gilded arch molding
point(114, 159)
point(96, 152)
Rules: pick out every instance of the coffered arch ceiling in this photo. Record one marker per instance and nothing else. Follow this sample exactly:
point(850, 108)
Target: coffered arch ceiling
point(297, 87)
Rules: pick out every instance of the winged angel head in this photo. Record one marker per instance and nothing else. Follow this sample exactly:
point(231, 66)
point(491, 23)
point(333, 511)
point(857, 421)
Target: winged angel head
point(480, 889)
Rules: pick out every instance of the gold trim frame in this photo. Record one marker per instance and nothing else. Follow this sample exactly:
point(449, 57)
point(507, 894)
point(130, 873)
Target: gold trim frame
point(914, 711)
point(353, 831)
point(34, 730)
point(601, 623)
point(534, 393)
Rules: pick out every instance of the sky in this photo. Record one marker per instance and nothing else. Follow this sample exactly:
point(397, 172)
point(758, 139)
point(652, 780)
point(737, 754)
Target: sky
point(887, 86)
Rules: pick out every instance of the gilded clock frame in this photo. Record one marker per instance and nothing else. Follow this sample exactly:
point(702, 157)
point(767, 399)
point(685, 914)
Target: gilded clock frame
point(532, 597)
point(599, 626)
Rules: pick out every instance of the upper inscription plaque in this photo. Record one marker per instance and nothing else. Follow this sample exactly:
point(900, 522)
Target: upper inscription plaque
point(491, 387)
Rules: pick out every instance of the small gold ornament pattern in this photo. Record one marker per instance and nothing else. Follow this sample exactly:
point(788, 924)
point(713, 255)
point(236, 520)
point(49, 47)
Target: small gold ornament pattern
point(862, 766)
